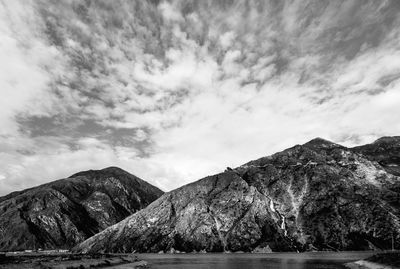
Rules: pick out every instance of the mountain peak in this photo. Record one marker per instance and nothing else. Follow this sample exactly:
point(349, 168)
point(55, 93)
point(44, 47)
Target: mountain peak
point(62, 213)
point(320, 143)
point(114, 169)
point(318, 140)
point(111, 169)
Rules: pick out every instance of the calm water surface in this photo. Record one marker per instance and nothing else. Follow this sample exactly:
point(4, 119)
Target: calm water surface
point(311, 260)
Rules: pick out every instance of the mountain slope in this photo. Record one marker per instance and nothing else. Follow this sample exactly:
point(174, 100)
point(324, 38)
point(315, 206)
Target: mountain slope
point(319, 195)
point(65, 212)
point(385, 151)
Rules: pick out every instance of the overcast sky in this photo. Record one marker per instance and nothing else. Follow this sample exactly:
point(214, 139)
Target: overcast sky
point(175, 91)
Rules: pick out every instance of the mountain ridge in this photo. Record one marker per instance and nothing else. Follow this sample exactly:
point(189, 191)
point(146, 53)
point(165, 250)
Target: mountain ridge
point(319, 195)
point(64, 212)
point(385, 151)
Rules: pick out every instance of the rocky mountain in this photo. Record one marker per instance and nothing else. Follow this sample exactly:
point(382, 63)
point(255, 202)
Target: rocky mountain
point(385, 151)
point(316, 196)
point(63, 213)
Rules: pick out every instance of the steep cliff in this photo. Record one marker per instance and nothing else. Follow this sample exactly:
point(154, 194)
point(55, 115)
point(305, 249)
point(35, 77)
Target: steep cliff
point(319, 195)
point(63, 213)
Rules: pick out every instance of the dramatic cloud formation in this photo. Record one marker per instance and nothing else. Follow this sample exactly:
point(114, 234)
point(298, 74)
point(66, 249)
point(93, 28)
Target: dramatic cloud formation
point(175, 90)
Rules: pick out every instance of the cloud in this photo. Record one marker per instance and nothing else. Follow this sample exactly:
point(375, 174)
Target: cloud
point(24, 58)
point(227, 39)
point(176, 90)
point(169, 13)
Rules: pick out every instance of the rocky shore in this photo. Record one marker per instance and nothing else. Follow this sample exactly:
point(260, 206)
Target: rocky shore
point(389, 260)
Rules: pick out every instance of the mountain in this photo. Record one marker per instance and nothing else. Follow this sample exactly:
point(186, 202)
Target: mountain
point(65, 212)
point(316, 196)
point(385, 151)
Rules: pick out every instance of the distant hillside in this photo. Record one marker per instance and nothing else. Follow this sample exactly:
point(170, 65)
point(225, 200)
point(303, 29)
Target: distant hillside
point(65, 212)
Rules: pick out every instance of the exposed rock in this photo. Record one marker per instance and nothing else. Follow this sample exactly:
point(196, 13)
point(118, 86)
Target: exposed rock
point(319, 195)
point(385, 151)
point(265, 249)
point(63, 213)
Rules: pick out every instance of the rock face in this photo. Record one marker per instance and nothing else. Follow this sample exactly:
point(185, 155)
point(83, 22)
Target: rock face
point(63, 213)
point(316, 196)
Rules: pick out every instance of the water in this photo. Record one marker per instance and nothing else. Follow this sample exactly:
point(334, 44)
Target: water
point(309, 260)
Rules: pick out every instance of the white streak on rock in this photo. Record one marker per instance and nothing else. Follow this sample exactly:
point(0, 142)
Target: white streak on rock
point(271, 205)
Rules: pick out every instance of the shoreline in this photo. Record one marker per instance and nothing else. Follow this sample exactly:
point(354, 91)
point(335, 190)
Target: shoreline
point(68, 260)
point(383, 260)
point(362, 264)
point(14, 260)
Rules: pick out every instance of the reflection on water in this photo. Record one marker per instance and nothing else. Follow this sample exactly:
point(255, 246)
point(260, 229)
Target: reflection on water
point(313, 260)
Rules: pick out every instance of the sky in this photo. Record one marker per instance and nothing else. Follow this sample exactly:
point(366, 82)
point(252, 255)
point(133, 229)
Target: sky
point(173, 91)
